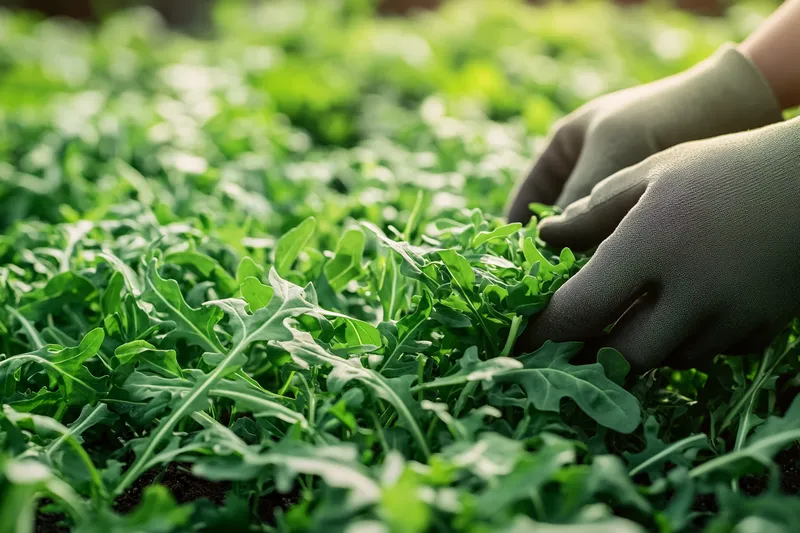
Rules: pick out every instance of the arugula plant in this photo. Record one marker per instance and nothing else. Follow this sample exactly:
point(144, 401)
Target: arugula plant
point(222, 261)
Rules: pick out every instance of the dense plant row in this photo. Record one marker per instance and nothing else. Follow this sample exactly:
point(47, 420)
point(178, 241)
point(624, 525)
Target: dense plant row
point(261, 283)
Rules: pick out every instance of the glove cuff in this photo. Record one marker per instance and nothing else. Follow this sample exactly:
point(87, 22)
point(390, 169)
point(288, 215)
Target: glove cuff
point(724, 94)
point(741, 85)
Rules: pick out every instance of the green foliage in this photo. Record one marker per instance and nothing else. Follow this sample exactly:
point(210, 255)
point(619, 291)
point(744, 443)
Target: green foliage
point(291, 244)
point(274, 261)
point(546, 377)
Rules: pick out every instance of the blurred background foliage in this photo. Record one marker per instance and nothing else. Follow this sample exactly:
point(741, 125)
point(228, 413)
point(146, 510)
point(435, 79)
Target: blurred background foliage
point(197, 15)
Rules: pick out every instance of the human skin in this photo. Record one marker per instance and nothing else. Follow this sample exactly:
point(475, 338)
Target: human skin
point(775, 49)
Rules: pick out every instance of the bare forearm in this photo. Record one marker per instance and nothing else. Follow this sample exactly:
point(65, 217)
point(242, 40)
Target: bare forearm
point(775, 50)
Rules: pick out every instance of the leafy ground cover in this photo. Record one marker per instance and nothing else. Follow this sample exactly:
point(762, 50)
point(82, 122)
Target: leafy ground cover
point(261, 282)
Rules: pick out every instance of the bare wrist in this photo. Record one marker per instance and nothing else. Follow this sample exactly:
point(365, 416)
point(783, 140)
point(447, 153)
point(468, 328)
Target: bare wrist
point(775, 51)
point(779, 78)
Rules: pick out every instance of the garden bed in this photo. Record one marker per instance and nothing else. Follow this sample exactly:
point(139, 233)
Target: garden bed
point(263, 283)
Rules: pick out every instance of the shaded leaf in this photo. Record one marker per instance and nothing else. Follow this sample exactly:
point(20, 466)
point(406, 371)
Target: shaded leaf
point(547, 377)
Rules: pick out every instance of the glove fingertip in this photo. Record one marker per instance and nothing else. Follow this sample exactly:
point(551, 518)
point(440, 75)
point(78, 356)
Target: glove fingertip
point(552, 220)
point(559, 230)
point(555, 236)
point(550, 226)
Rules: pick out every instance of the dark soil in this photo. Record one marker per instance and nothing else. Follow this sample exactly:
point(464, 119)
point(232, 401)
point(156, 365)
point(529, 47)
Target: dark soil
point(188, 488)
point(789, 463)
point(184, 486)
point(49, 522)
point(269, 504)
point(180, 482)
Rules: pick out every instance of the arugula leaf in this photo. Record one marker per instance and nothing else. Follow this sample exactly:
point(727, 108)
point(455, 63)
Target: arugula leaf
point(765, 442)
point(336, 465)
point(60, 290)
point(547, 377)
point(532, 472)
point(208, 266)
point(365, 382)
point(291, 244)
point(346, 263)
point(27, 481)
point(65, 367)
point(459, 269)
point(163, 362)
point(30, 331)
point(402, 336)
point(389, 286)
point(265, 324)
point(248, 268)
point(256, 293)
point(90, 416)
point(47, 426)
point(196, 326)
point(247, 398)
point(306, 352)
point(497, 233)
point(656, 452)
point(473, 370)
point(615, 366)
point(129, 276)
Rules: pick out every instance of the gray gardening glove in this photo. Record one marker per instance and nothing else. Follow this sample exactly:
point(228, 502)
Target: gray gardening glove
point(724, 94)
point(701, 252)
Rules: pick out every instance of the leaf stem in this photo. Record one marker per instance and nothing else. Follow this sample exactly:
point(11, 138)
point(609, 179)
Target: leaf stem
point(463, 292)
point(30, 331)
point(465, 395)
point(538, 505)
point(387, 361)
point(522, 427)
point(379, 430)
point(64, 492)
point(420, 376)
point(512, 336)
point(391, 420)
point(175, 416)
point(286, 385)
point(666, 452)
point(761, 377)
point(431, 427)
point(311, 400)
point(66, 437)
point(414, 216)
point(241, 374)
point(723, 460)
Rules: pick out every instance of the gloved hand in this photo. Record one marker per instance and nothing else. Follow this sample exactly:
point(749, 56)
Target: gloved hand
point(725, 94)
point(703, 255)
